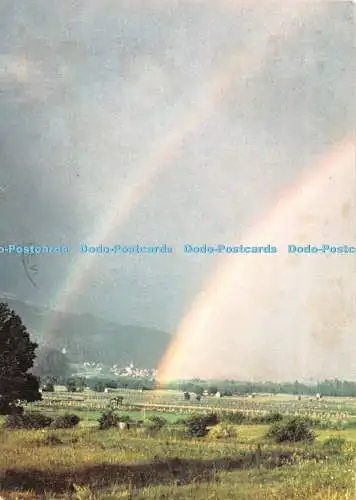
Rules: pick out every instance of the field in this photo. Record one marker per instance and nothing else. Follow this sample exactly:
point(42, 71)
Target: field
point(89, 463)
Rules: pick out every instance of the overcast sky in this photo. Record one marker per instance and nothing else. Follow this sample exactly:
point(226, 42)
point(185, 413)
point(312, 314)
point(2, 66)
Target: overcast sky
point(190, 118)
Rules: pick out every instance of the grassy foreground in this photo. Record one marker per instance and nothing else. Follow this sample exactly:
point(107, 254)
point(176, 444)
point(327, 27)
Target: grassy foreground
point(88, 463)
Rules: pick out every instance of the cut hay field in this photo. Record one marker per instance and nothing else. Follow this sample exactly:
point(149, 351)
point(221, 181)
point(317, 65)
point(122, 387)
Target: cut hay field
point(88, 463)
point(174, 400)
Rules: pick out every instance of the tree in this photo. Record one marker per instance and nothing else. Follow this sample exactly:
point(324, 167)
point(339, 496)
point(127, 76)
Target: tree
point(116, 401)
point(48, 387)
point(51, 363)
point(75, 384)
point(213, 389)
point(17, 354)
point(108, 419)
point(296, 388)
point(199, 390)
point(99, 387)
point(71, 385)
point(80, 383)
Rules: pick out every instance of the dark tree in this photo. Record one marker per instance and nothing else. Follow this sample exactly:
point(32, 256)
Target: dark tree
point(116, 401)
point(76, 384)
point(71, 385)
point(213, 389)
point(99, 387)
point(48, 387)
point(199, 390)
point(17, 354)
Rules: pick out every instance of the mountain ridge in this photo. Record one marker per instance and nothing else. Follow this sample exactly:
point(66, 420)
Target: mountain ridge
point(87, 337)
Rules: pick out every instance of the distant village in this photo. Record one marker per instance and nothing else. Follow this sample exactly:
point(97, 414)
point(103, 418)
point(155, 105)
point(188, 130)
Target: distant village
point(119, 371)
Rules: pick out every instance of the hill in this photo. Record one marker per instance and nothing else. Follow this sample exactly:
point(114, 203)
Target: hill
point(89, 338)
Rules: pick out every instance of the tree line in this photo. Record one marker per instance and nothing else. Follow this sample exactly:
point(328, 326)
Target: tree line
point(335, 387)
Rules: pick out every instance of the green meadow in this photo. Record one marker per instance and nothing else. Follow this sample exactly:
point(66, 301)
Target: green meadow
point(86, 462)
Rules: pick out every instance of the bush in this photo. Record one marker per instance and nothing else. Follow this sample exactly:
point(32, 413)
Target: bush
point(334, 445)
point(124, 418)
point(30, 420)
point(222, 431)
point(273, 417)
point(66, 421)
point(294, 429)
point(156, 422)
point(198, 424)
point(234, 417)
point(197, 429)
point(108, 419)
point(269, 418)
point(210, 419)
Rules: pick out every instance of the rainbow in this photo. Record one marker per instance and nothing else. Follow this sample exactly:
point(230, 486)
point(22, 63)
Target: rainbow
point(238, 282)
point(116, 214)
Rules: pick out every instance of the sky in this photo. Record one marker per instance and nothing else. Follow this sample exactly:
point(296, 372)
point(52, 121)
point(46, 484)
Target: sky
point(185, 122)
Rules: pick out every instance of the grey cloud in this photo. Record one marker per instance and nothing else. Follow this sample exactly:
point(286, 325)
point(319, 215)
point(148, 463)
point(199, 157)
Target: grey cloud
point(87, 92)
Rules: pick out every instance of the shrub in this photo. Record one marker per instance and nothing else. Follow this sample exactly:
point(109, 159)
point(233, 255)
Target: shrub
point(221, 431)
point(273, 417)
point(294, 429)
point(108, 419)
point(197, 429)
point(210, 419)
point(334, 445)
point(156, 422)
point(269, 418)
point(66, 421)
point(30, 420)
point(234, 417)
point(198, 424)
point(124, 418)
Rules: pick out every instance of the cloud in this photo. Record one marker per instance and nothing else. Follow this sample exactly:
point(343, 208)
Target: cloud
point(90, 91)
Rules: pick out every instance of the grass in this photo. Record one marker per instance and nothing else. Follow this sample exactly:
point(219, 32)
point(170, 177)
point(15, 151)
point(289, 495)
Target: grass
point(87, 463)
